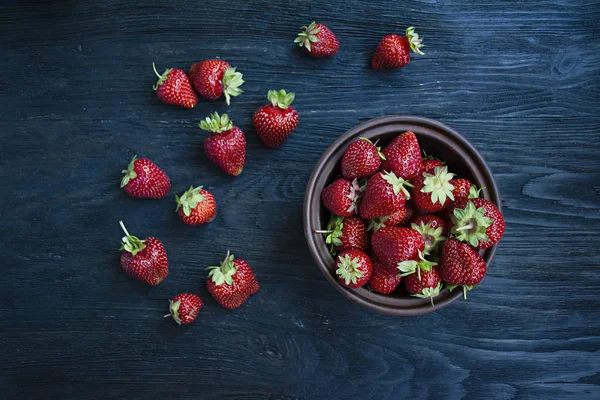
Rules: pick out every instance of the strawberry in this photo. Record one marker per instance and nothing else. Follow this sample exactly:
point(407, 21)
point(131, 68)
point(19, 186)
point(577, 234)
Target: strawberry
point(318, 40)
point(232, 282)
point(403, 156)
point(463, 189)
point(393, 220)
point(173, 87)
point(429, 165)
point(430, 192)
point(411, 213)
point(226, 144)
point(432, 228)
point(215, 78)
point(354, 268)
point(196, 206)
point(427, 286)
point(144, 260)
point(385, 194)
point(393, 50)
point(145, 180)
point(384, 280)
point(361, 159)
point(478, 222)
point(392, 245)
point(346, 234)
point(184, 308)
point(275, 122)
point(341, 197)
point(460, 265)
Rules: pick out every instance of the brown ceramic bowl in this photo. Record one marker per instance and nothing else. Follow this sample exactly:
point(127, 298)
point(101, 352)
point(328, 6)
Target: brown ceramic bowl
point(436, 139)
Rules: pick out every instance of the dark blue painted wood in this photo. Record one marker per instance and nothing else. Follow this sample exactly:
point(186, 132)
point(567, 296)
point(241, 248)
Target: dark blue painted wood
point(519, 79)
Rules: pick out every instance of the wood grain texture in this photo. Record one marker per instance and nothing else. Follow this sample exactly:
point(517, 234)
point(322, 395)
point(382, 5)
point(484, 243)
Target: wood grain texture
point(521, 80)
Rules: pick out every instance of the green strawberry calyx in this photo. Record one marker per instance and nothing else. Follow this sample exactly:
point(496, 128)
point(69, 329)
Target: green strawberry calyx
point(409, 267)
point(376, 224)
point(470, 224)
point(131, 244)
point(308, 35)
point(398, 184)
point(161, 78)
point(438, 185)
point(189, 200)
point(429, 292)
point(474, 192)
point(432, 236)
point(223, 273)
point(378, 148)
point(333, 234)
point(174, 311)
point(129, 172)
point(413, 39)
point(348, 269)
point(281, 98)
point(464, 288)
point(232, 80)
point(216, 123)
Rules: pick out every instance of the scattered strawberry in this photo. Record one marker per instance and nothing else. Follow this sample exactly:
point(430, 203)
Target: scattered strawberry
point(184, 308)
point(384, 280)
point(428, 286)
point(346, 234)
point(392, 245)
point(432, 228)
point(144, 260)
point(145, 180)
point(430, 192)
point(354, 268)
point(361, 159)
point(341, 197)
point(318, 40)
point(394, 50)
point(403, 156)
point(213, 78)
point(196, 206)
point(173, 87)
point(393, 220)
point(226, 145)
point(232, 282)
point(385, 194)
point(460, 265)
point(478, 222)
point(275, 122)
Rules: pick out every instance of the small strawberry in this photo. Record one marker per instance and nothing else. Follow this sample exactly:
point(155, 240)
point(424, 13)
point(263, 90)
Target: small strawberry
point(432, 228)
point(215, 78)
point(275, 122)
point(463, 189)
point(460, 265)
point(384, 280)
point(346, 234)
point(196, 206)
point(341, 197)
point(403, 156)
point(393, 220)
point(318, 40)
point(392, 245)
point(478, 222)
point(184, 308)
point(361, 159)
point(145, 180)
point(232, 282)
point(428, 286)
point(354, 268)
point(385, 194)
point(430, 192)
point(173, 87)
point(144, 260)
point(226, 145)
point(393, 50)
point(429, 165)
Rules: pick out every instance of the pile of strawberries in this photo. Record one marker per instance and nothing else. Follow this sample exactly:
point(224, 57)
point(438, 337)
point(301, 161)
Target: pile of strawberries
point(398, 216)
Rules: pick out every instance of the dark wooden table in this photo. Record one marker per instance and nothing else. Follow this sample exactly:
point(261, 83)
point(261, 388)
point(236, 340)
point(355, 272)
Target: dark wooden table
point(520, 79)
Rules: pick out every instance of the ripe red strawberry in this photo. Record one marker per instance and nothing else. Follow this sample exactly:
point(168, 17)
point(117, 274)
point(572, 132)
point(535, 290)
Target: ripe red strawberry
point(393, 50)
point(392, 245)
point(428, 286)
point(478, 222)
point(145, 180)
point(411, 213)
point(184, 308)
point(232, 282)
point(432, 228)
point(431, 192)
point(173, 87)
point(463, 189)
point(384, 280)
point(144, 260)
point(346, 234)
point(318, 40)
point(429, 165)
point(393, 220)
point(196, 206)
point(354, 268)
point(214, 78)
point(361, 159)
point(275, 122)
point(226, 145)
point(460, 265)
point(403, 156)
point(341, 197)
point(385, 194)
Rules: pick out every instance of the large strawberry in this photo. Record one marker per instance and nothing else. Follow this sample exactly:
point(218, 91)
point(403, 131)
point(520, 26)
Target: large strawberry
point(231, 283)
point(196, 206)
point(346, 234)
point(432, 228)
point(384, 280)
point(361, 159)
point(275, 122)
point(226, 145)
point(144, 260)
point(392, 245)
point(184, 308)
point(393, 50)
point(460, 265)
point(385, 194)
point(354, 268)
point(478, 222)
point(145, 180)
point(173, 87)
point(430, 192)
point(392, 220)
point(214, 78)
point(318, 40)
point(341, 197)
point(403, 156)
